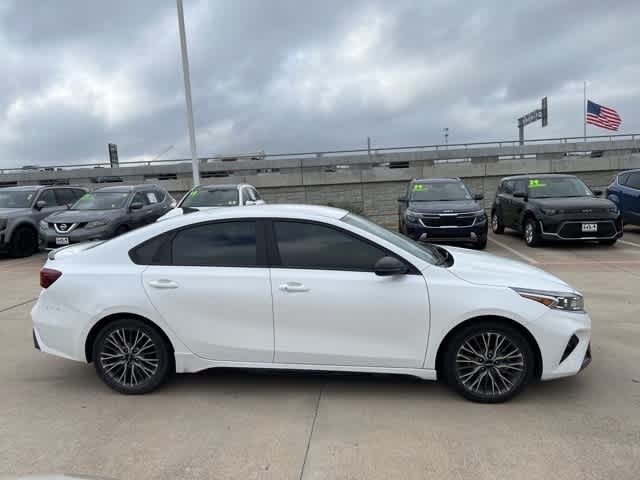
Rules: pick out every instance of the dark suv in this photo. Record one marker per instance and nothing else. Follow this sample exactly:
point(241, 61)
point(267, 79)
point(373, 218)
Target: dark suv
point(442, 210)
point(625, 193)
point(554, 207)
point(105, 213)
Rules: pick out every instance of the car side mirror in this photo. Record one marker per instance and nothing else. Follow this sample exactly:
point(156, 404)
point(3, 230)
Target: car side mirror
point(40, 204)
point(478, 196)
point(250, 203)
point(520, 195)
point(136, 206)
point(597, 193)
point(402, 199)
point(388, 266)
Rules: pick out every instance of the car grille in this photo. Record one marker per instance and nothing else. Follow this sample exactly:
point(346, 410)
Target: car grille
point(436, 221)
point(574, 230)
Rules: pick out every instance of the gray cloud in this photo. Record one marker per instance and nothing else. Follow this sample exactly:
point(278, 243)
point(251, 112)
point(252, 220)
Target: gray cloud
point(289, 75)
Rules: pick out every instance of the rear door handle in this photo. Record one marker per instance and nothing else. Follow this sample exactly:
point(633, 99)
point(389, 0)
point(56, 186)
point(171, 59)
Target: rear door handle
point(163, 283)
point(293, 287)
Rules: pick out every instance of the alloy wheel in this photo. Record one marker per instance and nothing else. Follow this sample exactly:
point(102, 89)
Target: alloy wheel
point(490, 364)
point(494, 222)
point(528, 232)
point(129, 357)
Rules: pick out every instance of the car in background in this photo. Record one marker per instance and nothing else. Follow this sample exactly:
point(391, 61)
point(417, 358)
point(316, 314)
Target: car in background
point(105, 213)
point(22, 208)
point(625, 193)
point(301, 287)
point(554, 207)
point(442, 210)
point(204, 197)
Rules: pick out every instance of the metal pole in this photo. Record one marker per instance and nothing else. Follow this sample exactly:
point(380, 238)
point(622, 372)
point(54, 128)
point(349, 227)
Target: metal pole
point(584, 108)
point(187, 94)
point(521, 133)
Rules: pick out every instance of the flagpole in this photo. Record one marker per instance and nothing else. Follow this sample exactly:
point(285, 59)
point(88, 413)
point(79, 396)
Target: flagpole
point(584, 107)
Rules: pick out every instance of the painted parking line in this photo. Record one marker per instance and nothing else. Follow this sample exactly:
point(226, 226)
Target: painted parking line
point(514, 251)
point(593, 262)
point(626, 242)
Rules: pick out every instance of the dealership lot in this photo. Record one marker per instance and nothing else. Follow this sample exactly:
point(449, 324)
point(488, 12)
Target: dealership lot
point(56, 416)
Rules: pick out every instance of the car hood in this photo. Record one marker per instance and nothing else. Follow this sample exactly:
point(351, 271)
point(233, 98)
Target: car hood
point(455, 206)
point(574, 203)
point(80, 216)
point(14, 212)
point(487, 269)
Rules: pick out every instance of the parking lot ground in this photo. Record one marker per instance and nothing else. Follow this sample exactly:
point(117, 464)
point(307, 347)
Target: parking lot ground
point(56, 416)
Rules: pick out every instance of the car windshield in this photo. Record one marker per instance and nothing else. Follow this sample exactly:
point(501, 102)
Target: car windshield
point(227, 197)
point(439, 192)
point(16, 198)
point(101, 201)
point(558, 188)
point(425, 252)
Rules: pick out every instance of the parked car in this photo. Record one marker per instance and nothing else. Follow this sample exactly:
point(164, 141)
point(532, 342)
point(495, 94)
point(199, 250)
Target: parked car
point(442, 210)
point(309, 288)
point(22, 208)
point(204, 197)
point(625, 193)
point(105, 213)
point(554, 207)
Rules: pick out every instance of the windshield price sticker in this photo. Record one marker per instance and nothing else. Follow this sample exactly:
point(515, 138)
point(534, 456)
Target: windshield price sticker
point(535, 183)
point(194, 193)
point(87, 196)
point(418, 187)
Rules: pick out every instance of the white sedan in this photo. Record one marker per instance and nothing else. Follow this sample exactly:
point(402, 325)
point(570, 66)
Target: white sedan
point(307, 288)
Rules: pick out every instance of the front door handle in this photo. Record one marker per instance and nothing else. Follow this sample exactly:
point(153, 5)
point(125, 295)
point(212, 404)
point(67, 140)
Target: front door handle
point(293, 287)
point(163, 283)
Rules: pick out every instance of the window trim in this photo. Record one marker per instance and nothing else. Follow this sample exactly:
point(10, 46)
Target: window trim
point(261, 250)
point(275, 260)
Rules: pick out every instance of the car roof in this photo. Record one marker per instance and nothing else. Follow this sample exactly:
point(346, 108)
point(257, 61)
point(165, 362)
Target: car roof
point(633, 170)
point(24, 188)
point(436, 180)
point(542, 175)
point(126, 188)
point(223, 186)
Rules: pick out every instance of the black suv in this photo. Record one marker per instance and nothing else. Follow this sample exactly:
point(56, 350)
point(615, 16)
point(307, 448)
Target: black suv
point(442, 210)
point(554, 207)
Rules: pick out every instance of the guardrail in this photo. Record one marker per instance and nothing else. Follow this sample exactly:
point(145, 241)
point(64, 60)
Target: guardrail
point(329, 153)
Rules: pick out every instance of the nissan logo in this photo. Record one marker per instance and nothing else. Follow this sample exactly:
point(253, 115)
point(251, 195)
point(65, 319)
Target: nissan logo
point(62, 226)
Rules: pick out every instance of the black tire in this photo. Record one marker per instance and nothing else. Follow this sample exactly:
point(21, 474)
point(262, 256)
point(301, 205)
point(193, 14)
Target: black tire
point(609, 242)
point(531, 232)
point(24, 242)
point(481, 244)
point(496, 223)
point(144, 369)
point(461, 375)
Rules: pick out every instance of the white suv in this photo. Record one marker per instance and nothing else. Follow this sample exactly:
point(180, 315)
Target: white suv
point(310, 288)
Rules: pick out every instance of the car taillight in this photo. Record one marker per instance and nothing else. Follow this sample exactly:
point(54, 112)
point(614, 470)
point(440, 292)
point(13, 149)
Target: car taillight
point(48, 276)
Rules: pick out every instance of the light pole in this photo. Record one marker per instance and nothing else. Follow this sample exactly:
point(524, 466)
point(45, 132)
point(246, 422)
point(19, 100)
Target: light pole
point(187, 94)
point(445, 131)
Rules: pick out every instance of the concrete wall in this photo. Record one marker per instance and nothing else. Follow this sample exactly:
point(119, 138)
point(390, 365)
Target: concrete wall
point(370, 184)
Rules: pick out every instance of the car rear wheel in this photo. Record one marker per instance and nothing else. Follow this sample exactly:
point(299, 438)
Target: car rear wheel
point(131, 357)
point(488, 362)
point(24, 242)
point(531, 233)
point(496, 224)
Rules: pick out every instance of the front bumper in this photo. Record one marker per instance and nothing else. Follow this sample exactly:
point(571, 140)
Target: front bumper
point(570, 229)
point(48, 237)
point(468, 234)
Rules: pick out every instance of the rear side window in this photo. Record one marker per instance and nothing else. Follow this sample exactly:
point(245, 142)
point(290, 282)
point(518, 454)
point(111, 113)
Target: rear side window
point(156, 251)
point(225, 244)
point(507, 187)
point(634, 180)
point(313, 246)
point(50, 197)
point(141, 197)
point(622, 178)
point(77, 193)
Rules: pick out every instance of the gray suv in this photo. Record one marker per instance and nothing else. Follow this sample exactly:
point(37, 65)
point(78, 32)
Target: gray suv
point(105, 213)
point(21, 210)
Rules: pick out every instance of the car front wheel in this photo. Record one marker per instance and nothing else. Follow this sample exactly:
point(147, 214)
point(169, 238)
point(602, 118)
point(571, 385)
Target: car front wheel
point(531, 233)
point(131, 357)
point(496, 224)
point(488, 362)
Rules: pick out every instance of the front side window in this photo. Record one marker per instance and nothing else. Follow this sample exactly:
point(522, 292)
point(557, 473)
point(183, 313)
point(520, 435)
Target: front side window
point(224, 244)
point(313, 246)
point(16, 198)
point(49, 197)
point(65, 196)
point(211, 198)
point(558, 187)
point(634, 181)
point(141, 197)
point(439, 192)
point(101, 201)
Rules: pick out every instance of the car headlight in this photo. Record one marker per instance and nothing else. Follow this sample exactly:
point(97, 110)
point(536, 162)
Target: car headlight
point(479, 213)
point(43, 225)
point(411, 216)
point(571, 302)
point(550, 211)
point(96, 224)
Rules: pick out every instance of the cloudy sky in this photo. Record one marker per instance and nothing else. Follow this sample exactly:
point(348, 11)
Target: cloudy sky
point(291, 75)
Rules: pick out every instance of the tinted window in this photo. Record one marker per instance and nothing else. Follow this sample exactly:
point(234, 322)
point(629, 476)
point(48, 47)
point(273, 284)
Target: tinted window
point(141, 197)
point(507, 187)
point(49, 197)
point(520, 186)
point(211, 198)
point(65, 196)
point(230, 244)
point(156, 251)
point(308, 245)
point(77, 193)
point(634, 180)
point(622, 179)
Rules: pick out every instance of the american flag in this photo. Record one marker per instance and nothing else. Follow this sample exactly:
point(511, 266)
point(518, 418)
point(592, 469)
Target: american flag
point(603, 117)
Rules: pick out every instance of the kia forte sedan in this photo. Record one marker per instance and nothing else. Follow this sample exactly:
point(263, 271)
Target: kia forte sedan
point(305, 288)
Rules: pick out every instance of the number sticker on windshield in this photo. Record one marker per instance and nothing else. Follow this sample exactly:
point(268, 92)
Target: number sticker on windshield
point(535, 183)
point(194, 193)
point(418, 187)
point(86, 196)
